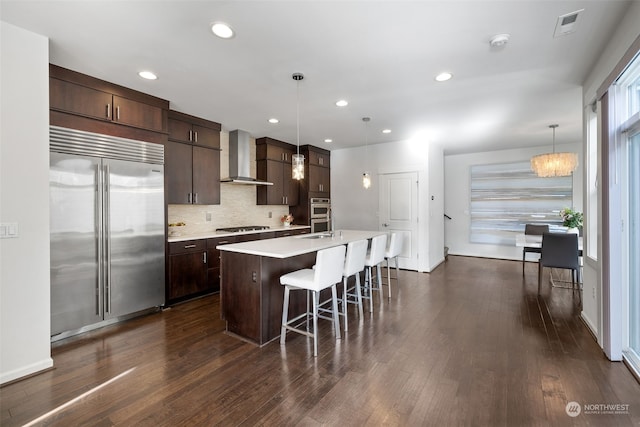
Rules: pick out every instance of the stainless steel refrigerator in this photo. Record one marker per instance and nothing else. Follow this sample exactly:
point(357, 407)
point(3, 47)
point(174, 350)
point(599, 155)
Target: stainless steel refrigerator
point(107, 229)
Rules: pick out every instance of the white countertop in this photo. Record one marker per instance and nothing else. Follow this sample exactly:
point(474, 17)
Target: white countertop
point(211, 234)
point(286, 247)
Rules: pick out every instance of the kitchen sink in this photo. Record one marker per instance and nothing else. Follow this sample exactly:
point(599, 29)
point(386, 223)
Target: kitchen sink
point(315, 236)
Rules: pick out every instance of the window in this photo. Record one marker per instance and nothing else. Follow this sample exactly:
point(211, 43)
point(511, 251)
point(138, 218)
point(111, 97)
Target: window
point(627, 130)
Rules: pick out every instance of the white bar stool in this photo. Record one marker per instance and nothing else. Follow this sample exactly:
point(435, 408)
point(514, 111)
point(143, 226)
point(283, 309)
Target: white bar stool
point(375, 256)
point(353, 265)
point(393, 251)
point(327, 272)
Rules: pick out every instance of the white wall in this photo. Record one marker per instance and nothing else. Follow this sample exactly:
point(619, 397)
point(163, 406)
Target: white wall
point(357, 208)
point(457, 183)
point(24, 199)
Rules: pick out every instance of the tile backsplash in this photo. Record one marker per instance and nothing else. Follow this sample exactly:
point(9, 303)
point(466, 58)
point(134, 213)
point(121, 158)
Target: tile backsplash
point(237, 203)
point(237, 207)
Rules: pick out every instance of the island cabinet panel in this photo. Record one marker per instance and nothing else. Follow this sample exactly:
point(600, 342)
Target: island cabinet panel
point(251, 295)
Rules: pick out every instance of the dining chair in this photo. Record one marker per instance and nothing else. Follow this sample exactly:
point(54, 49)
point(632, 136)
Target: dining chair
point(533, 230)
point(559, 250)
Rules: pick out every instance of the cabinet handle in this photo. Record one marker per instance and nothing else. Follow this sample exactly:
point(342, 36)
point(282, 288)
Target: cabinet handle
point(189, 198)
point(189, 246)
point(118, 112)
point(223, 242)
point(204, 257)
point(108, 111)
point(195, 197)
point(195, 133)
point(286, 200)
point(190, 135)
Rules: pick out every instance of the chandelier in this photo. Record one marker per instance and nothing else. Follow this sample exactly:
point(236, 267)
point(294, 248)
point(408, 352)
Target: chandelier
point(297, 160)
point(554, 164)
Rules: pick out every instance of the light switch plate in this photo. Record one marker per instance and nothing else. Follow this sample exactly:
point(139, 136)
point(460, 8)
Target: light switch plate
point(9, 230)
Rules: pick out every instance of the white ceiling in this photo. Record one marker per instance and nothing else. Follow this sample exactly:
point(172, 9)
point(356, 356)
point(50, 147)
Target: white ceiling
point(382, 56)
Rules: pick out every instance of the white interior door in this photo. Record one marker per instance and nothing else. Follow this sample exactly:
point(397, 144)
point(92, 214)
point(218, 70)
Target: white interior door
point(398, 212)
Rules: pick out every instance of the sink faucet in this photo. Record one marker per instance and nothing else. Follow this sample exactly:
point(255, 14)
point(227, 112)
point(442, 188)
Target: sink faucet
point(332, 221)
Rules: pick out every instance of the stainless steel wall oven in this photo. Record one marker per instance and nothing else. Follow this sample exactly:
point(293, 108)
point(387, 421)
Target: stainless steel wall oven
point(320, 210)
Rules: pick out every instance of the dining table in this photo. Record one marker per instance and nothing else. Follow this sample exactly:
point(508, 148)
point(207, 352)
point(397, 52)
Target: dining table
point(535, 241)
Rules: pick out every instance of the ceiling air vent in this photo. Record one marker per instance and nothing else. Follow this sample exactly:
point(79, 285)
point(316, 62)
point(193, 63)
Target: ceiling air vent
point(567, 23)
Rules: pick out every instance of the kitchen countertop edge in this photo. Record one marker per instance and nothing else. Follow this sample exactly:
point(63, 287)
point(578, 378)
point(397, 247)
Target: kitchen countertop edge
point(290, 246)
point(214, 234)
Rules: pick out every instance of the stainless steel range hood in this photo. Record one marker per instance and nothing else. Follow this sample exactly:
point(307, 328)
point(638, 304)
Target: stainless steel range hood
point(240, 160)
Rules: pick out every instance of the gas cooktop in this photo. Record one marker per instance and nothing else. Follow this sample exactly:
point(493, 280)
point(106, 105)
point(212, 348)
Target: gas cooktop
point(243, 228)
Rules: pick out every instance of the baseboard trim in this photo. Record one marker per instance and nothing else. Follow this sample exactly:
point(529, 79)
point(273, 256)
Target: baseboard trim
point(26, 371)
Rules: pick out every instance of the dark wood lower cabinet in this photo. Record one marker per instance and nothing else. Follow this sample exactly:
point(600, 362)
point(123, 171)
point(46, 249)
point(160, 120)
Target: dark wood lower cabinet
point(194, 265)
point(188, 262)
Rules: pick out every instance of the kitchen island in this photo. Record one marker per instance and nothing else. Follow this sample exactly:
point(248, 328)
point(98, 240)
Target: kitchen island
point(251, 296)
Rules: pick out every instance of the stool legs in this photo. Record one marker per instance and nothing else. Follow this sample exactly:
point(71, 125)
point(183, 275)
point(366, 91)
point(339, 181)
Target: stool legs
point(315, 296)
point(346, 295)
point(285, 312)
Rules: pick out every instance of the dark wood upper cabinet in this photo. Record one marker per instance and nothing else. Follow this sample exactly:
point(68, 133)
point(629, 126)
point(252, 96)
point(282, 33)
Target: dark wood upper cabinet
point(85, 96)
point(273, 164)
point(192, 160)
point(193, 174)
point(193, 130)
point(317, 162)
point(178, 167)
point(206, 176)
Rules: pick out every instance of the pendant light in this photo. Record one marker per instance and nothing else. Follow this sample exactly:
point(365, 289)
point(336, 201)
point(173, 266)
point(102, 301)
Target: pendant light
point(366, 178)
point(297, 160)
point(554, 164)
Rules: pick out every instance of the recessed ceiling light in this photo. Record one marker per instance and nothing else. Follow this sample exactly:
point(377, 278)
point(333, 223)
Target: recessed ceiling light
point(148, 75)
point(328, 140)
point(443, 77)
point(222, 30)
point(499, 40)
point(386, 130)
point(274, 120)
point(342, 103)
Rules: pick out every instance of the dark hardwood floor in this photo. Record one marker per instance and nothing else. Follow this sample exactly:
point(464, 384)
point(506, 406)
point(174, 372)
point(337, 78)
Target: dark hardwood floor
point(469, 344)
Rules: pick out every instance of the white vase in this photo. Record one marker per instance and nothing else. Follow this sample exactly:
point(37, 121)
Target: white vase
point(573, 230)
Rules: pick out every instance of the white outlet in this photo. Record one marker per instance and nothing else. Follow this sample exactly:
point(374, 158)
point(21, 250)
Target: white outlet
point(270, 214)
point(208, 216)
point(593, 292)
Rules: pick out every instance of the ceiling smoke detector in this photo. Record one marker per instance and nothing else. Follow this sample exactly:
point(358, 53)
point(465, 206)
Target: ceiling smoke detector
point(499, 40)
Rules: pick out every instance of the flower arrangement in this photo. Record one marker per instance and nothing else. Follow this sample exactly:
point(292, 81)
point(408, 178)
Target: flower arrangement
point(571, 218)
point(286, 219)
